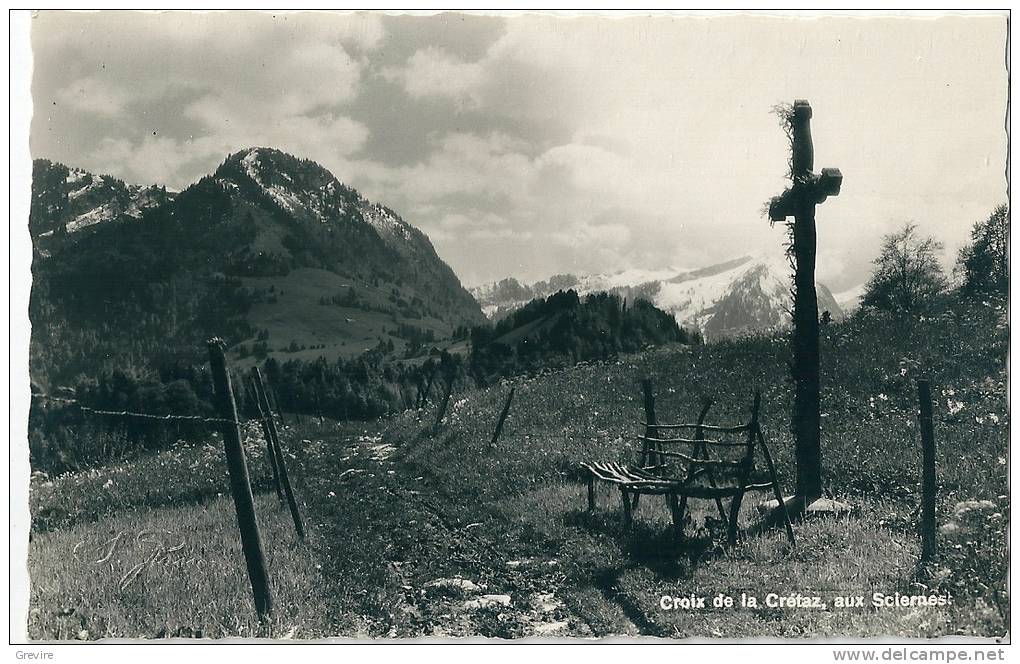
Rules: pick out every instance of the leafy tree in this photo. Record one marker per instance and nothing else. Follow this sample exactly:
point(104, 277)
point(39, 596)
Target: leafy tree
point(908, 277)
point(984, 264)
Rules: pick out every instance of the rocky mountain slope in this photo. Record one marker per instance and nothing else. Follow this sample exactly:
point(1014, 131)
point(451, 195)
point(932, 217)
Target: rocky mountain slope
point(69, 200)
point(737, 296)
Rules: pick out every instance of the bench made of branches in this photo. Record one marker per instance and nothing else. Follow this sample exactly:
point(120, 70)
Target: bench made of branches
point(693, 473)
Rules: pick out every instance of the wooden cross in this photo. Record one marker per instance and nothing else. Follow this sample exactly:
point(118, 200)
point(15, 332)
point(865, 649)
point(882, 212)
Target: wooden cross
point(799, 201)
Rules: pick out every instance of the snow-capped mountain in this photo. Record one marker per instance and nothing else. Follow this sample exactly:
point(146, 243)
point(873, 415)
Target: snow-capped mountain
point(269, 251)
point(310, 194)
point(742, 295)
point(850, 299)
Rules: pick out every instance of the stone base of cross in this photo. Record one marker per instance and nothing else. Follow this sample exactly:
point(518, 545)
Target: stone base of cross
point(799, 507)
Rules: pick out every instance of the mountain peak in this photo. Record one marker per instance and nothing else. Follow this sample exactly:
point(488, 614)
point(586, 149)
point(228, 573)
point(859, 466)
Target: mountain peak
point(300, 187)
point(263, 163)
point(356, 274)
point(264, 155)
point(260, 152)
point(307, 190)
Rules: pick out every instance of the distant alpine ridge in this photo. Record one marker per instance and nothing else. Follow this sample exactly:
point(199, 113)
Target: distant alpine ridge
point(742, 295)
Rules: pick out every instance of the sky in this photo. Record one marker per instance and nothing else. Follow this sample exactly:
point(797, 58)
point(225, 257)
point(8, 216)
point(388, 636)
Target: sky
point(531, 145)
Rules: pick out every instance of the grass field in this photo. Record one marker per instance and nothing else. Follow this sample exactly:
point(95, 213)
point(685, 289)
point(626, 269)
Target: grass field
point(421, 534)
point(296, 315)
point(170, 572)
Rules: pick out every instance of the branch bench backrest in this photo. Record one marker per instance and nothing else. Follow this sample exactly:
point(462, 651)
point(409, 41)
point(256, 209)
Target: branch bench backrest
point(734, 445)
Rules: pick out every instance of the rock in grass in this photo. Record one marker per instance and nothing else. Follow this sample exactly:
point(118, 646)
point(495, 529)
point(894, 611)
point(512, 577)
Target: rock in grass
point(456, 586)
point(486, 602)
point(796, 508)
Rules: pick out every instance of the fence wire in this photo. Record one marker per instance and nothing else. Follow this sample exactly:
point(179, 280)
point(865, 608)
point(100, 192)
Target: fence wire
point(127, 413)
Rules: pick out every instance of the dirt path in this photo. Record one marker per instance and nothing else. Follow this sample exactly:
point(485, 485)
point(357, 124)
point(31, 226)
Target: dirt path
point(439, 576)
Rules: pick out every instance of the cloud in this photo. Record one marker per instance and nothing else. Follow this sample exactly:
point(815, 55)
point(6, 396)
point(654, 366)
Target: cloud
point(361, 31)
point(474, 226)
point(326, 139)
point(433, 72)
point(577, 202)
point(146, 161)
point(95, 95)
point(553, 144)
point(603, 237)
point(206, 84)
point(464, 168)
point(326, 76)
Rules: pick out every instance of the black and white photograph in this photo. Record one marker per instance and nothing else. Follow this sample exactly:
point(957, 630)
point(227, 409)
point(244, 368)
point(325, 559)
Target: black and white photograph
point(492, 326)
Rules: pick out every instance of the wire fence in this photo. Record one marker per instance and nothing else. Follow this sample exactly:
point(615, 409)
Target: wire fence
point(240, 482)
point(126, 413)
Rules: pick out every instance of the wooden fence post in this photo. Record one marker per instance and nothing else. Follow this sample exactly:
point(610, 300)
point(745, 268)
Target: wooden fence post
point(648, 456)
point(249, 394)
point(428, 386)
point(240, 486)
point(275, 403)
point(421, 391)
point(648, 450)
point(270, 445)
point(502, 418)
point(928, 482)
point(281, 463)
point(442, 406)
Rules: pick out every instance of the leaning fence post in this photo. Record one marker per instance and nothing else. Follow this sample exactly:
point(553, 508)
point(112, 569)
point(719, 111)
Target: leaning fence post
point(502, 418)
point(274, 402)
point(928, 482)
point(270, 445)
point(442, 406)
point(240, 486)
point(281, 464)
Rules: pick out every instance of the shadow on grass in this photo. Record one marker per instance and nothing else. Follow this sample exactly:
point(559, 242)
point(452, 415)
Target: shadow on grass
point(671, 556)
point(644, 545)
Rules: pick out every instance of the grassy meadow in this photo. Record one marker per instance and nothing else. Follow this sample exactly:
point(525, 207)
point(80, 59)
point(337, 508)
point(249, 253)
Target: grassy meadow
point(170, 572)
point(414, 533)
point(295, 313)
point(150, 549)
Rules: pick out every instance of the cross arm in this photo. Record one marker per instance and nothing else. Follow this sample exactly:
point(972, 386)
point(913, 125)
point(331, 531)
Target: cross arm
point(814, 187)
point(782, 206)
point(828, 183)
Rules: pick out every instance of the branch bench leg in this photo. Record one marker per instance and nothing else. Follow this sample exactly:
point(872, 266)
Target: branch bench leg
point(591, 494)
point(627, 518)
point(678, 514)
point(731, 536)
